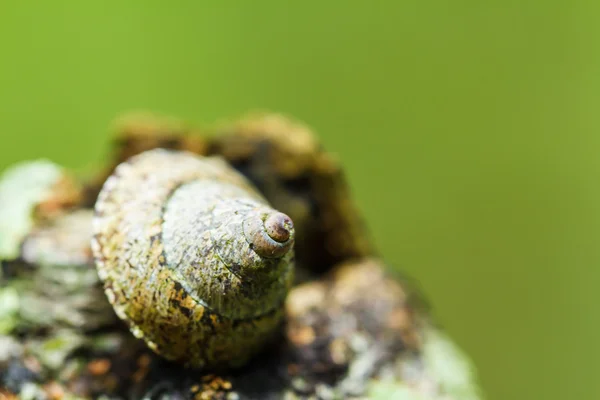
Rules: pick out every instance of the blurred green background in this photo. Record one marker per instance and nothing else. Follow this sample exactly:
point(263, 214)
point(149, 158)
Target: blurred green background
point(469, 131)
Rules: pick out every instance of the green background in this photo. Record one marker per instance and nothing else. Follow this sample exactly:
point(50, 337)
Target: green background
point(469, 130)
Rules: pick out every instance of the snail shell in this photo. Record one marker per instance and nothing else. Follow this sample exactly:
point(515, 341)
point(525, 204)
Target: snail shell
point(192, 257)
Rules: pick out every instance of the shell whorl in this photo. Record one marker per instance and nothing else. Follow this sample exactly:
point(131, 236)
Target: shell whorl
point(270, 233)
point(205, 227)
point(178, 238)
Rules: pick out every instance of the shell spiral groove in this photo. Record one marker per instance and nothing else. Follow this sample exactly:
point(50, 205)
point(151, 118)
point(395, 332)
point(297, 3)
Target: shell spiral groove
point(192, 257)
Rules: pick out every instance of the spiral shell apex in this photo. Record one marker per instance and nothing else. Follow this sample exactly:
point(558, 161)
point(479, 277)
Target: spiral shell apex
point(192, 257)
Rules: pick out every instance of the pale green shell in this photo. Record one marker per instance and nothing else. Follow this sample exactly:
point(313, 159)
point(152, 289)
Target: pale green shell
point(181, 246)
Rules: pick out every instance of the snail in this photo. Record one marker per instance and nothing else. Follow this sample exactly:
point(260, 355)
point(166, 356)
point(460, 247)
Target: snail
point(192, 257)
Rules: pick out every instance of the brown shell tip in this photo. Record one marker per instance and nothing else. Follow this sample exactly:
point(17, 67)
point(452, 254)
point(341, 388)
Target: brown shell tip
point(270, 234)
point(279, 227)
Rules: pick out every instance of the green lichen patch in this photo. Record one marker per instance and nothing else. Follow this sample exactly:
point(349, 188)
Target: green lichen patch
point(22, 187)
point(451, 368)
point(54, 351)
point(9, 308)
point(395, 391)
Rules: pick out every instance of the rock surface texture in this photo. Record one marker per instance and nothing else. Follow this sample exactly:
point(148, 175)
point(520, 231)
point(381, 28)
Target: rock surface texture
point(348, 329)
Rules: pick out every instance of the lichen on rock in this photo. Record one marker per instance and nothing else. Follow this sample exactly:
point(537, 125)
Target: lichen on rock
point(30, 190)
point(351, 329)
